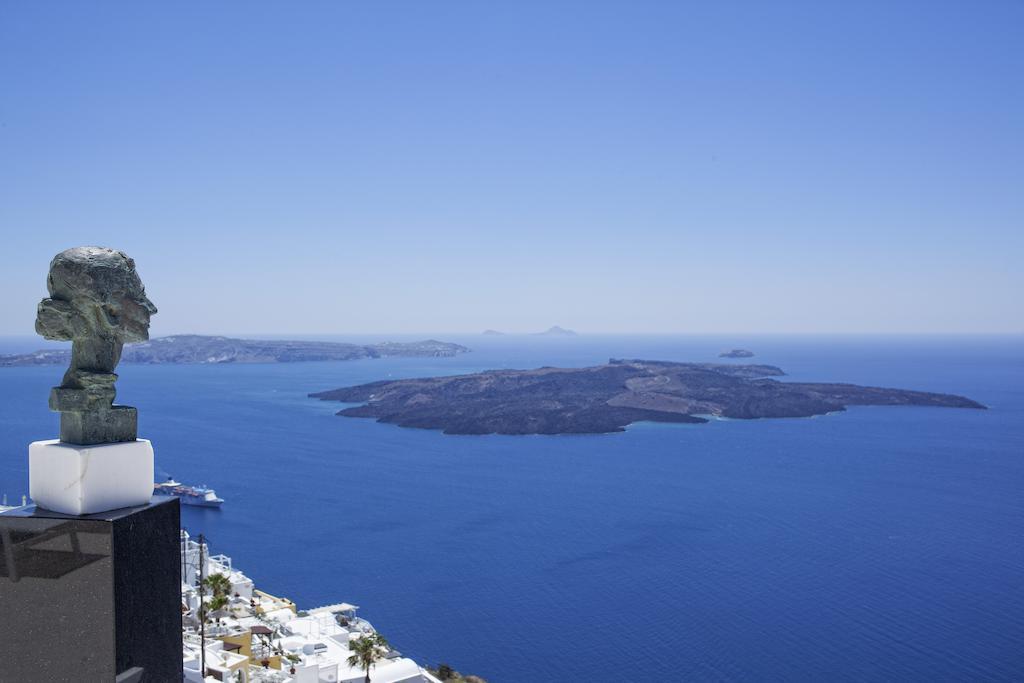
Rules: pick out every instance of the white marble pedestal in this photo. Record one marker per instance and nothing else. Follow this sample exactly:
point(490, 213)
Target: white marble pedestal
point(82, 480)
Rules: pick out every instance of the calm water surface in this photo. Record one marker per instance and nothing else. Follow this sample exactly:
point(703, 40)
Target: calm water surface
point(877, 544)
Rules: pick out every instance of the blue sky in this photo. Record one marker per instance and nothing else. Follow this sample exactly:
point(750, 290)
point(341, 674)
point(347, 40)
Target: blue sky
point(453, 166)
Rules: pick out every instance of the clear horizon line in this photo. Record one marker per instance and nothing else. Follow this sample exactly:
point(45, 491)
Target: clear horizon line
point(822, 333)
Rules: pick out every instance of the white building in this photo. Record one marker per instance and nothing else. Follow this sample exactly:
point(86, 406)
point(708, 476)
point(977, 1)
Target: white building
point(260, 638)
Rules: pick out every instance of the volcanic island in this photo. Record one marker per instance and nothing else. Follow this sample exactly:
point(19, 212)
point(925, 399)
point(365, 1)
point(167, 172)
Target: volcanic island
point(607, 398)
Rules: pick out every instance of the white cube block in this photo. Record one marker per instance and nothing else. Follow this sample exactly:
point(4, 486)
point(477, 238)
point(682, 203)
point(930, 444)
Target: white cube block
point(81, 480)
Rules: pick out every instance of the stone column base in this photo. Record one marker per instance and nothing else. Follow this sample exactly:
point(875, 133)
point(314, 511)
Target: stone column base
point(91, 598)
point(82, 480)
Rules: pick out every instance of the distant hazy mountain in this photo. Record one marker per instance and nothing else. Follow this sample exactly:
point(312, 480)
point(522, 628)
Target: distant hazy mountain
point(194, 348)
point(557, 331)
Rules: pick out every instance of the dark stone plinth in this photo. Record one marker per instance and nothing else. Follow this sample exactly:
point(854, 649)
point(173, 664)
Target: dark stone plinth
point(92, 597)
point(115, 424)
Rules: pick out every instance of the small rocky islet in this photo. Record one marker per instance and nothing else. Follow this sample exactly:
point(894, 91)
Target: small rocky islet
point(607, 398)
point(736, 353)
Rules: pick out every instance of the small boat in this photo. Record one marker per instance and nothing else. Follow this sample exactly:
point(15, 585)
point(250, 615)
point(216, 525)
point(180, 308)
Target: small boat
point(189, 495)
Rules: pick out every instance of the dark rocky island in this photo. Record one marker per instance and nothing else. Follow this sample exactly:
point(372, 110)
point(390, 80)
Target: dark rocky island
point(194, 348)
point(736, 353)
point(606, 398)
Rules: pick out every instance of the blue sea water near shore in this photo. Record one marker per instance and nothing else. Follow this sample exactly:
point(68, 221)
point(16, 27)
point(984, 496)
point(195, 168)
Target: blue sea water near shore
point(875, 544)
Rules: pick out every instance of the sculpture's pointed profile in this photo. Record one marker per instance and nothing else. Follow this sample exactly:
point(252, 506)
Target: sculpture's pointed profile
point(97, 302)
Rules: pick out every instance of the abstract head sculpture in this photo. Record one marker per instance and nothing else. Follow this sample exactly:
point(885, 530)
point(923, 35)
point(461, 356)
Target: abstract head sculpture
point(98, 303)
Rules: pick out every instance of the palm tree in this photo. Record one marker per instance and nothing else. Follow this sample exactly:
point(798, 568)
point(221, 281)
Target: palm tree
point(367, 651)
point(219, 584)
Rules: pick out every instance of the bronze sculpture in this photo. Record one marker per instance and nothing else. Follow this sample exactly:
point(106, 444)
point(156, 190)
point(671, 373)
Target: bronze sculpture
point(98, 303)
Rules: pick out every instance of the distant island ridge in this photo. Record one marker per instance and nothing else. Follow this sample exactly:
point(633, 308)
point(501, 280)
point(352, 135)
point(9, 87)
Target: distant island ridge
point(554, 331)
point(204, 349)
point(607, 398)
point(736, 353)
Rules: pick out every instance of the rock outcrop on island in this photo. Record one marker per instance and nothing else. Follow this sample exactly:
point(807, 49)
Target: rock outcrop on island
point(606, 398)
point(556, 331)
point(194, 348)
point(736, 353)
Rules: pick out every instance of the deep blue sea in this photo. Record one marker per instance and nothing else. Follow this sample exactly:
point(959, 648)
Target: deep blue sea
point(879, 544)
